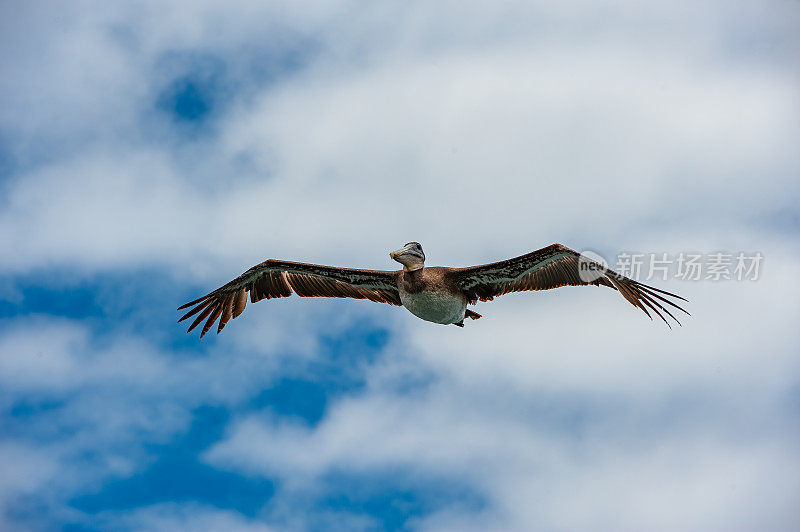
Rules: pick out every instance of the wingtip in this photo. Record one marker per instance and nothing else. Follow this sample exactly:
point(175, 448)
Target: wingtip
point(194, 302)
point(189, 304)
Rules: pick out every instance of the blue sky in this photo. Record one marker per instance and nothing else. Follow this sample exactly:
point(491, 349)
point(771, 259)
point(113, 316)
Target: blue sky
point(150, 153)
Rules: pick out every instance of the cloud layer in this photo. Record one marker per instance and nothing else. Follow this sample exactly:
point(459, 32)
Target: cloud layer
point(149, 154)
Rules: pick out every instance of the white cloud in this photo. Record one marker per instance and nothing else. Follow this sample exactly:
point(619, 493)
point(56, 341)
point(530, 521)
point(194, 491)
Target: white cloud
point(612, 453)
point(110, 401)
point(602, 472)
point(458, 147)
point(481, 130)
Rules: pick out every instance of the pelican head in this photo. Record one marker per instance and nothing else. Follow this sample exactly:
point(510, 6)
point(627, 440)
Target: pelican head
point(410, 256)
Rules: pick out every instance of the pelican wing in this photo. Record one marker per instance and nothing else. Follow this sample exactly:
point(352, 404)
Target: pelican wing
point(553, 267)
point(276, 278)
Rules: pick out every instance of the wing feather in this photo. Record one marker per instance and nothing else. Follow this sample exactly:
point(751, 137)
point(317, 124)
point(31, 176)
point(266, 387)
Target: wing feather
point(201, 317)
point(227, 312)
point(274, 278)
point(552, 267)
point(241, 302)
point(195, 310)
point(211, 319)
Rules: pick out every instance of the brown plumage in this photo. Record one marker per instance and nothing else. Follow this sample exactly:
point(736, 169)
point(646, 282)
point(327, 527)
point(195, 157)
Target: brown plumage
point(435, 294)
point(274, 278)
point(553, 267)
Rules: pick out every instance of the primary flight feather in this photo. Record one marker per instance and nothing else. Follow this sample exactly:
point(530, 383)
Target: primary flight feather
point(436, 294)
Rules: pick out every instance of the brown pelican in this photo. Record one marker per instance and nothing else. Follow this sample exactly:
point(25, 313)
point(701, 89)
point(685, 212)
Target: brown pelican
point(437, 294)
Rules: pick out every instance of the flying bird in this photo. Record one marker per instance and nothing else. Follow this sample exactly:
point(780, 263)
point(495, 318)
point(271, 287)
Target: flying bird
point(436, 294)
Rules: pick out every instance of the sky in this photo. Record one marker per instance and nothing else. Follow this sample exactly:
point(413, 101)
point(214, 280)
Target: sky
point(151, 152)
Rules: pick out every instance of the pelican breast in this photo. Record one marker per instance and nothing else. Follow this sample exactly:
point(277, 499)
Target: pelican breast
point(428, 295)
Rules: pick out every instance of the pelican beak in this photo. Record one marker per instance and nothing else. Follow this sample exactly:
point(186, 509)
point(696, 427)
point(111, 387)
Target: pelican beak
point(397, 253)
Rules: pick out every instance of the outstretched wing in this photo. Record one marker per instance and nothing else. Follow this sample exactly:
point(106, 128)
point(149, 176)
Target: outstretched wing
point(556, 266)
point(276, 278)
